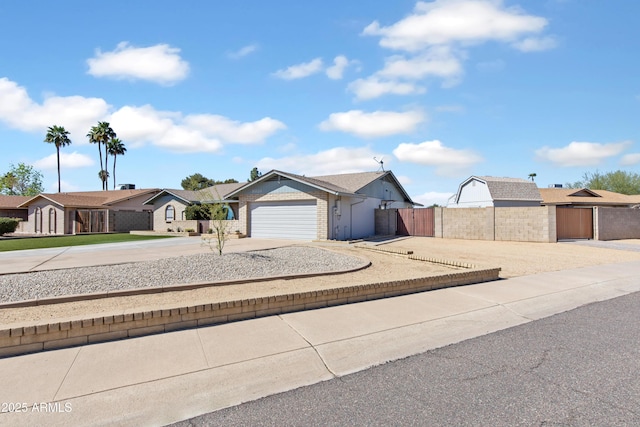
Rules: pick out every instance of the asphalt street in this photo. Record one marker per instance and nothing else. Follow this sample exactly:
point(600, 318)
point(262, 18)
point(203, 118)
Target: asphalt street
point(578, 368)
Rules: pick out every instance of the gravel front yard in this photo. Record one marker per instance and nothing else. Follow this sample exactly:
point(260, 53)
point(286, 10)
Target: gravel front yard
point(515, 259)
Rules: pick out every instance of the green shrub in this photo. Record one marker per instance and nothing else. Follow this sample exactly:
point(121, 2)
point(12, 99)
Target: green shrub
point(8, 225)
point(189, 230)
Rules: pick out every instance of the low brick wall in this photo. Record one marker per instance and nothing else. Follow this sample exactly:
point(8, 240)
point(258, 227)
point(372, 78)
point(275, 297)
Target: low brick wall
point(55, 335)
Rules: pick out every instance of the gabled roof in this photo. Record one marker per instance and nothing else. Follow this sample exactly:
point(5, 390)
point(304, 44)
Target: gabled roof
point(12, 202)
point(347, 184)
point(89, 199)
point(585, 196)
point(211, 194)
point(503, 188)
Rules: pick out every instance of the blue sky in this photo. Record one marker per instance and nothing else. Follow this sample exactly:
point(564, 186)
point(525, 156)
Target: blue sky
point(440, 89)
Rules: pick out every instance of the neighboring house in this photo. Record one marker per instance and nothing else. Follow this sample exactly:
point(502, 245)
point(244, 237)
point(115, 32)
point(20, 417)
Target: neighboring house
point(88, 212)
point(489, 191)
point(9, 207)
point(583, 197)
point(169, 205)
point(283, 205)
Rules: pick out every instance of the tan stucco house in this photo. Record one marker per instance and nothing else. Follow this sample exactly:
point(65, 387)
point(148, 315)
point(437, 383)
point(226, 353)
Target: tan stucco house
point(88, 212)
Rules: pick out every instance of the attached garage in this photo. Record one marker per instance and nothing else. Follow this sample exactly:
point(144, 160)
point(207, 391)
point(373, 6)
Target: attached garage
point(284, 220)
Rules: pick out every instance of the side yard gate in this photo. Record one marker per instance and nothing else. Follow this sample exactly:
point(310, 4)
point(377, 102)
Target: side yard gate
point(416, 222)
point(574, 223)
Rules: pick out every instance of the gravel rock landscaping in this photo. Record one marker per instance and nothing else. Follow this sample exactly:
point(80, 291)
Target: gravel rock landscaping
point(172, 271)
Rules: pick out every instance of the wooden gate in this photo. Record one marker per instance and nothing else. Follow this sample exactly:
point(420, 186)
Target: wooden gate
point(416, 222)
point(574, 223)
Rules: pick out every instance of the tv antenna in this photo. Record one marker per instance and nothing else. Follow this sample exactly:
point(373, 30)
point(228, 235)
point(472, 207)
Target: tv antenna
point(380, 162)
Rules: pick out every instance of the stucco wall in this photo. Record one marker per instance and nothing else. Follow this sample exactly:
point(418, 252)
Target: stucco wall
point(159, 208)
point(44, 224)
point(617, 223)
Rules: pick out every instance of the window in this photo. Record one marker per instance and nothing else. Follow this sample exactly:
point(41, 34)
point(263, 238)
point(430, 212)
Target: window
point(169, 213)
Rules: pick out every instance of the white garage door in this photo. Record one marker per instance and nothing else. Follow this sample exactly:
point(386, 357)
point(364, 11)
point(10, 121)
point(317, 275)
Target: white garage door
point(284, 220)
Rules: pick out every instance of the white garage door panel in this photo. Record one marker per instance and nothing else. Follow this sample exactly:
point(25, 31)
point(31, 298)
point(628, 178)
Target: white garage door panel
point(284, 220)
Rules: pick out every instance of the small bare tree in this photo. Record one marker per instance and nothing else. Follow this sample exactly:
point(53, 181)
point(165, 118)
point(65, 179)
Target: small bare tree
point(220, 226)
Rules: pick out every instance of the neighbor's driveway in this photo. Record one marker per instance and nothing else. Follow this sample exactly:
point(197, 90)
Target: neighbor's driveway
point(116, 253)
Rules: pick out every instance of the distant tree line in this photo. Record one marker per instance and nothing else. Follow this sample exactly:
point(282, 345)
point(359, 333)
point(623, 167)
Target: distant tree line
point(619, 181)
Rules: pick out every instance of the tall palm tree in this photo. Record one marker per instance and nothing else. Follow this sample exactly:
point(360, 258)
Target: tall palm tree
point(58, 136)
point(101, 134)
point(116, 148)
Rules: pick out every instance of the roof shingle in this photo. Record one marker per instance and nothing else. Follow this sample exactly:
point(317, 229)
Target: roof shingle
point(502, 188)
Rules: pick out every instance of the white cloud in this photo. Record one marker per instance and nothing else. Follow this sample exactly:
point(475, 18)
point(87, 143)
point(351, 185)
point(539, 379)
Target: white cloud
point(340, 63)
point(300, 71)
point(432, 197)
point(630, 159)
point(333, 161)
point(373, 125)
point(443, 22)
point(135, 125)
point(244, 51)
point(448, 161)
point(374, 87)
point(160, 64)
point(72, 160)
point(435, 37)
point(76, 113)
point(234, 131)
point(535, 44)
point(191, 133)
point(581, 153)
point(439, 61)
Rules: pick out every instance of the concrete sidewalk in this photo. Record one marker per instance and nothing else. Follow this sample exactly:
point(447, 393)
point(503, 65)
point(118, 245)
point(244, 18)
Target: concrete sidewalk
point(161, 379)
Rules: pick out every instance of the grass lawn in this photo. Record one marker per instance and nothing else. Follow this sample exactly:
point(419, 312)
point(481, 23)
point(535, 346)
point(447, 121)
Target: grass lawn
point(56, 242)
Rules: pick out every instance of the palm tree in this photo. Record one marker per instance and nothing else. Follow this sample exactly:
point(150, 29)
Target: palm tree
point(58, 136)
point(103, 175)
point(101, 134)
point(116, 148)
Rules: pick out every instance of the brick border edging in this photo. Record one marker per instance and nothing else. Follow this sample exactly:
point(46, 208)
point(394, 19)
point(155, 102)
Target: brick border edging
point(56, 335)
